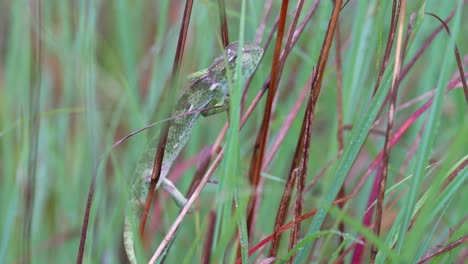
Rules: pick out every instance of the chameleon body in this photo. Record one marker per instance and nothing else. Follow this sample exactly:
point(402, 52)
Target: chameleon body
point(209, 88)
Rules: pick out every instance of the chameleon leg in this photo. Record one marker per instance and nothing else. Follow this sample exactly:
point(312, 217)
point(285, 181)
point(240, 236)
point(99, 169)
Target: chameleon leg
point(222, 105)
point(193, 77)
point(178, 197)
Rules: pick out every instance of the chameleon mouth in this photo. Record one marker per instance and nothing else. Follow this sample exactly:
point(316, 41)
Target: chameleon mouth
point(250, 48)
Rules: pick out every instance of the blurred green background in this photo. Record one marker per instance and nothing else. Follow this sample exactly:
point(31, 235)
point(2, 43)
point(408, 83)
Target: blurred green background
point(76, 76)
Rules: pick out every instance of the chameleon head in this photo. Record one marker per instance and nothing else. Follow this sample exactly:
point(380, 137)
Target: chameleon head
point(251, 55)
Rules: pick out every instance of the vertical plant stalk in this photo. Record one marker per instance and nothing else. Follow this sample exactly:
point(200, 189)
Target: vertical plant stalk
point(315, 91)
point(293, 36)
point(339, 88)
point(257, 183)
point(259, 149)
point(223, 22)
point(391, 115)
point(391, 35)
point(293, 113)
point(374, 164)
point(286, 197)
point(358, 252)
point(358, 248)
point(287, 124)
point(339, 110)
point(266, 85)
point(159, 155)
point(209, 238)
point(261, 28)
point(302, 173)
point(33, 128)
point(403, 74)
point(265, 46)
point(321, 65)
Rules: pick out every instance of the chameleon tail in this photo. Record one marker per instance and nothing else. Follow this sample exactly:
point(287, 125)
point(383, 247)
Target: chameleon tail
point(129, 244)
point(128, 239)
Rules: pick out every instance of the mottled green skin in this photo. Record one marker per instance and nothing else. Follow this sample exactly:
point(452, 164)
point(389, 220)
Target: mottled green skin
point(209, 88)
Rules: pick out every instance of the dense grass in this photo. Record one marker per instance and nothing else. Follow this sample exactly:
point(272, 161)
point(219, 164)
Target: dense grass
point(76, 76)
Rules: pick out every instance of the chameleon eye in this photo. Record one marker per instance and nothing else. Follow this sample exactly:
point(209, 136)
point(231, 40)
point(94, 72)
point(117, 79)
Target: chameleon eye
point(233, 58)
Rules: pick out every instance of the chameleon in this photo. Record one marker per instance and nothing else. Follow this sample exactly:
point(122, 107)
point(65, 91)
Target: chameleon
point(207, 95)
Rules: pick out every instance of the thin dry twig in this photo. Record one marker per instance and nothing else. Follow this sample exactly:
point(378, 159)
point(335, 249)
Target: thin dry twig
point(457, 57)
point(462, 240)
point(386, 157)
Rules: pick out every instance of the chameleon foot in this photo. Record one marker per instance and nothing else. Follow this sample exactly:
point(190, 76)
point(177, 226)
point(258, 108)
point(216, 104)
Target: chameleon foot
point(176, 195)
